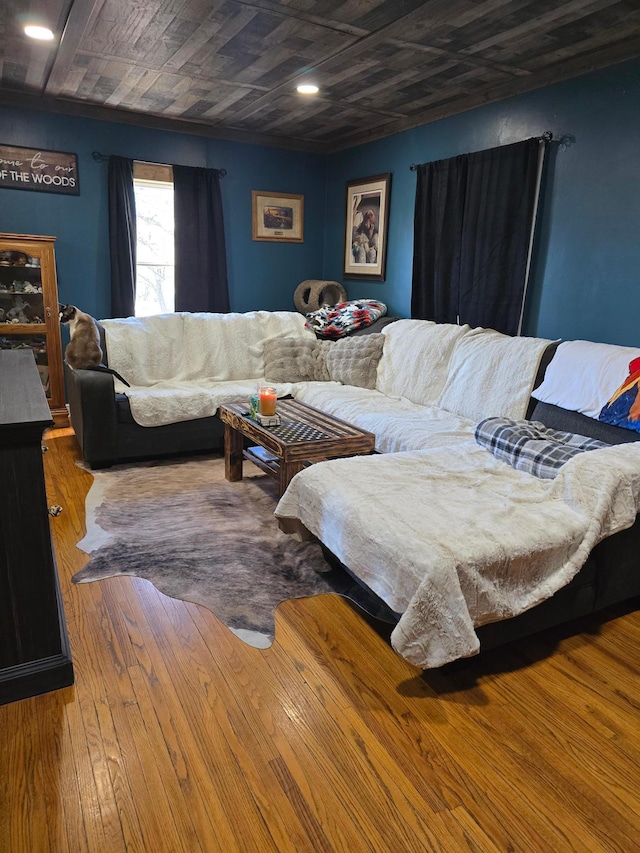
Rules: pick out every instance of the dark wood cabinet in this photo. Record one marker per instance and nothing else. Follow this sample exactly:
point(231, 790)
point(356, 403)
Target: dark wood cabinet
point(34, 648)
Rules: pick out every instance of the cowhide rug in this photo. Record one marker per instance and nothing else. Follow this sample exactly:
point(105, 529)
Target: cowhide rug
point(197, 537)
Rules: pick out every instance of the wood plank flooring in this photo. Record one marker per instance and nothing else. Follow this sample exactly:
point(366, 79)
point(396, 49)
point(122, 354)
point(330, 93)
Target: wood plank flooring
point(179, 737)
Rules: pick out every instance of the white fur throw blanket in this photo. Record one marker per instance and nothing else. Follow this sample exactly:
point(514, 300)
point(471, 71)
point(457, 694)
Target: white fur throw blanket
point(454, 538)
point(184, 366)
point(491, 375)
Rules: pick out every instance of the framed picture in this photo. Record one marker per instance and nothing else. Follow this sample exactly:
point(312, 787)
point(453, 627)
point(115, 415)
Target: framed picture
point(278, 217)
point(365, 238)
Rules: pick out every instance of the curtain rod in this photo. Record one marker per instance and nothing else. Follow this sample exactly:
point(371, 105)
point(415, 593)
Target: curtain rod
point(547, 136)
point(102, 158)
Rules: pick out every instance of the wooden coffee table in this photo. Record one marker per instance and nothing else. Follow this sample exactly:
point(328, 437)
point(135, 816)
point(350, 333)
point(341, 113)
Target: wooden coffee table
point(306, 435)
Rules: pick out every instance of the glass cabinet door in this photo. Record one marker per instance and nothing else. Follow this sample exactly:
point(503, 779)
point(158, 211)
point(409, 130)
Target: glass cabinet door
point(29, 309)
point(22, 308)
point(22, 304)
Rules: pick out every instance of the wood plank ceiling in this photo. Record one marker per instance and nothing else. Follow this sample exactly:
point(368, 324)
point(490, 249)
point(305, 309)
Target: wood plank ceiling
point(228, 68)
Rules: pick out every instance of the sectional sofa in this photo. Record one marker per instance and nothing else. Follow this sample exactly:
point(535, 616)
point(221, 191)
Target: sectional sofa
point(512, 553)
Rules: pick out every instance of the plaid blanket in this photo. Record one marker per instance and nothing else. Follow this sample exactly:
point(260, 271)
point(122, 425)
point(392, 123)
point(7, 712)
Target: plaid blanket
point(530, 446)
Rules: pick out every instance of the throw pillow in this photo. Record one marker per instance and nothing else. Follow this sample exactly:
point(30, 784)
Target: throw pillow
point(293, 360)
point(353, 361)
point(623, 409)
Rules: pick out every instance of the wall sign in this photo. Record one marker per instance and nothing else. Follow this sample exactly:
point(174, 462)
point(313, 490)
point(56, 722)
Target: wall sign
point(39, 170)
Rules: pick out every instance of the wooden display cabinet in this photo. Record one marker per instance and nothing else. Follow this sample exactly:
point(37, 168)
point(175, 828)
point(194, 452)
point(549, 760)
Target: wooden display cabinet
point(29, 313)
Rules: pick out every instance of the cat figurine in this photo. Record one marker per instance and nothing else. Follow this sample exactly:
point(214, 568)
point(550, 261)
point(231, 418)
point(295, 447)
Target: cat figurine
point(83, 351)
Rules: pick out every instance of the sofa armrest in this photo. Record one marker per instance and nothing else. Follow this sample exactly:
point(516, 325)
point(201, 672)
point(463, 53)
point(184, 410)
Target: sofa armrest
point(92, 410)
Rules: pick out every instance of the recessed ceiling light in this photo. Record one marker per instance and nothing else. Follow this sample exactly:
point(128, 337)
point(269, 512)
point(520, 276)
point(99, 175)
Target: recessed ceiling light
point(42, 33)
point(307, 89)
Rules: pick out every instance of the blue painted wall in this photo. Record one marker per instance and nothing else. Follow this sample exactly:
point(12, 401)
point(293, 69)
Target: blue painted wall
point(262, 275)
point(585, 279)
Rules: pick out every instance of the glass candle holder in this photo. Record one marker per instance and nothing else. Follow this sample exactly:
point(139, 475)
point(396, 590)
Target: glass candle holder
point(267, 400)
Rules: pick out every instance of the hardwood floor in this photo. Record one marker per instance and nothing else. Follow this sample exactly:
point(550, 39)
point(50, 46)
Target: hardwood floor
point(179, 737)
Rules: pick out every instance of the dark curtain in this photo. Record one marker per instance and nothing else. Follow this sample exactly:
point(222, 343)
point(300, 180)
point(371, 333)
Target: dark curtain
point(437, 235)
point(496, 235)
point(200, 255)
point(122, 237)
point(471, 250)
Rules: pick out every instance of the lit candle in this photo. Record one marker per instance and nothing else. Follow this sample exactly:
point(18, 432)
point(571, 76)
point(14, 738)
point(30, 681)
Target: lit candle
point(267, 401)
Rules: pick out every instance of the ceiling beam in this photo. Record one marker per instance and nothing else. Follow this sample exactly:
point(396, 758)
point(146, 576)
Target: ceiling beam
point(80, 14)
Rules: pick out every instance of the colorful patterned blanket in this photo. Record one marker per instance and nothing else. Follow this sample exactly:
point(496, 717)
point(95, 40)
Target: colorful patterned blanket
point(338, 321)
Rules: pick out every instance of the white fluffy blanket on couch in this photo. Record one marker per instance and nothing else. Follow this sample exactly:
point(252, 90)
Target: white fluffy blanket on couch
point(454, 538)
point(184, 366)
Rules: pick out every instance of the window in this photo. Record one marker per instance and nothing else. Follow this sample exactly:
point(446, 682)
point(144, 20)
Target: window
point(155, 287)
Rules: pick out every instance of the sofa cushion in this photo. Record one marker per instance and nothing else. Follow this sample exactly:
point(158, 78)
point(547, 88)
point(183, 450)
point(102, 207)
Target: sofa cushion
point(568, 421)
point(416, 359)
point(491, 374)
point(398, 424)
point(145, 349)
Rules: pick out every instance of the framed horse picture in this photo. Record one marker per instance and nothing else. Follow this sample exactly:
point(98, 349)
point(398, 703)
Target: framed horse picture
point(366, 226)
